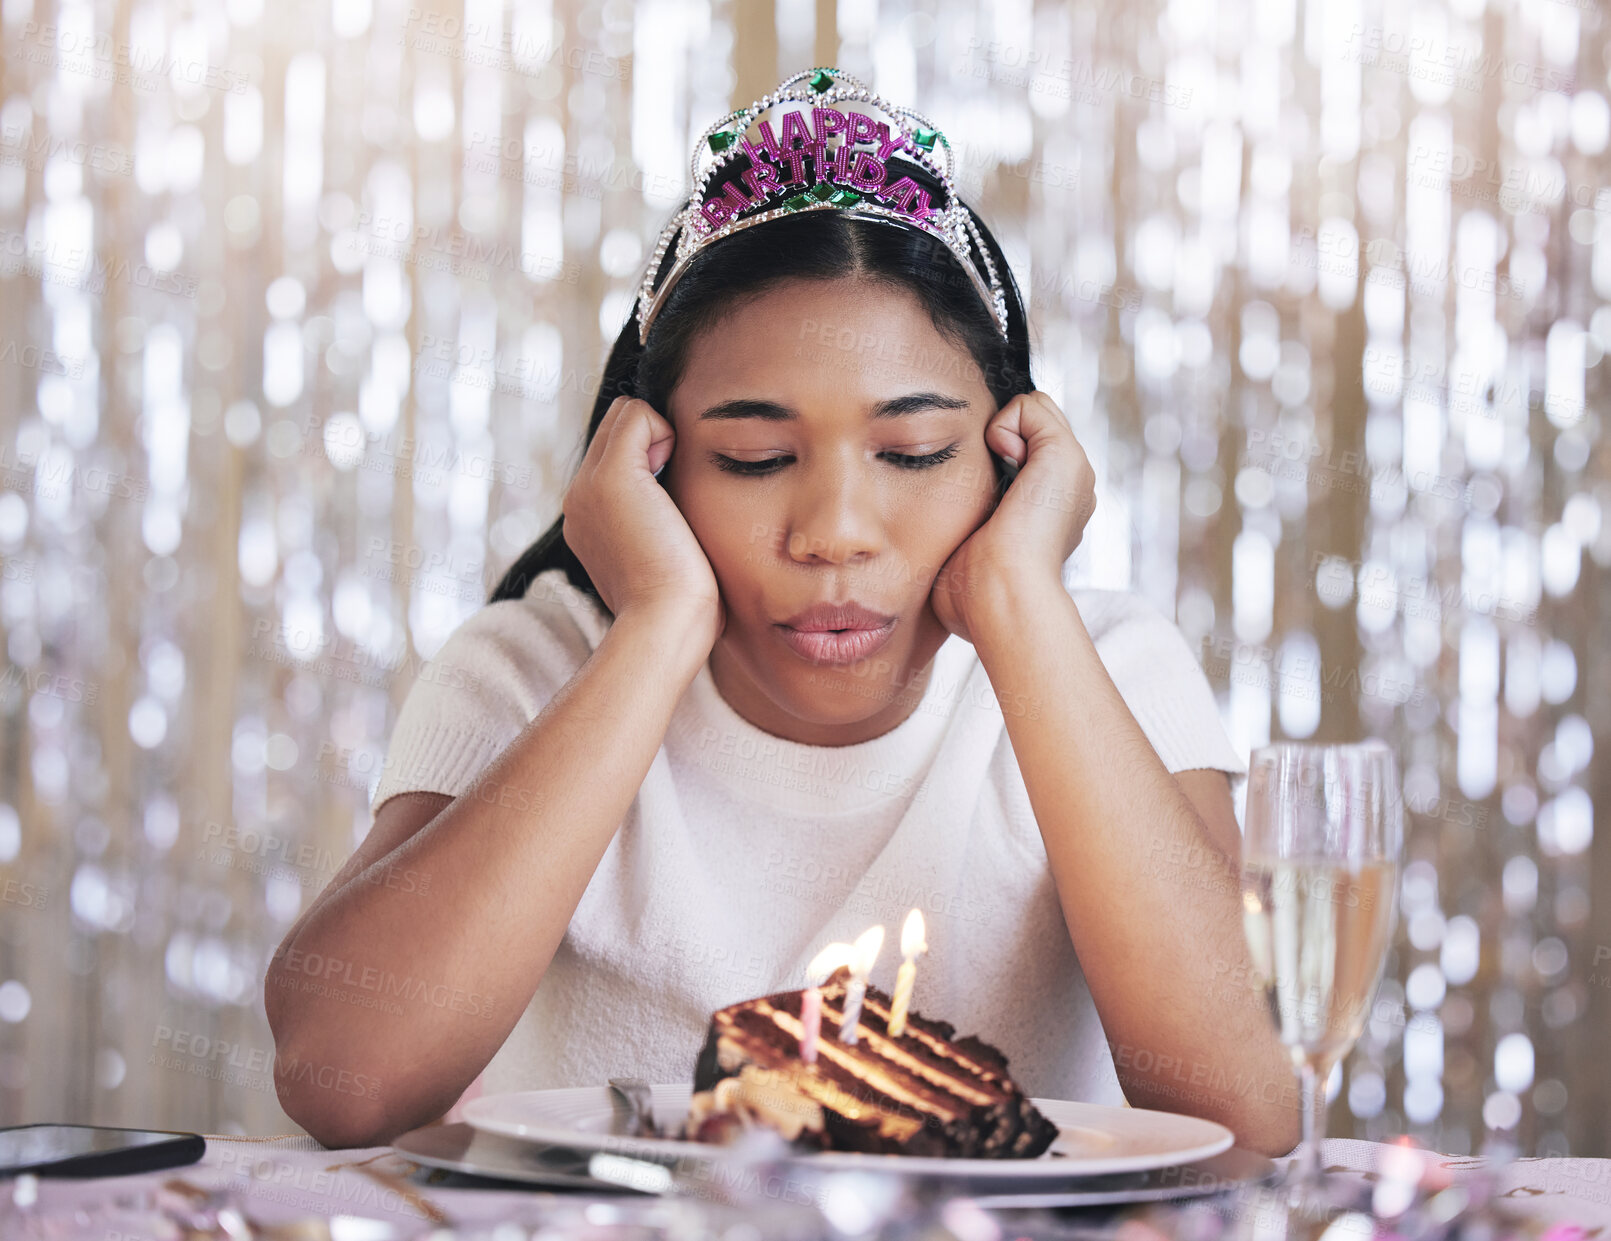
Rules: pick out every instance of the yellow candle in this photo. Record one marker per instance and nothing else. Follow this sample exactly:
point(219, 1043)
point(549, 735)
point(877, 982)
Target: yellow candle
point(904, 978)
point(912, 943)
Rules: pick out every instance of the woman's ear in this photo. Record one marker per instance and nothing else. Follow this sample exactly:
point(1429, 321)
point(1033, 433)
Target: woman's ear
point(660, 475)
point(1006, 471)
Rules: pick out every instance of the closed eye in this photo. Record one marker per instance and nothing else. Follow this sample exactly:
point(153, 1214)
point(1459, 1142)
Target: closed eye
point(771, 465)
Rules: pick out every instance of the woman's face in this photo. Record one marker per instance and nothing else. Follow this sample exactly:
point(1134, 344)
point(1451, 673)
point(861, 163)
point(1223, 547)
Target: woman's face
point(830, 449)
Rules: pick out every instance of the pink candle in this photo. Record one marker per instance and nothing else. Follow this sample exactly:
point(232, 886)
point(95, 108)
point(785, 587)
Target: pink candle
point(811, 1019)
point(818, 972)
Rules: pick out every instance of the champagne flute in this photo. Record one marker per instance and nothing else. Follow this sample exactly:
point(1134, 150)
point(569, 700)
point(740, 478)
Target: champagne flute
point(1320, 864)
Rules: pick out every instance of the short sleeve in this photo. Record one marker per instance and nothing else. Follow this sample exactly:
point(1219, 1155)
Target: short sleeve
point(1158, 675)
point(472, 699)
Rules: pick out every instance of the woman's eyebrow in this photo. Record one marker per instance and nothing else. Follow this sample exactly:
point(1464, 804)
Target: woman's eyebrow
point(772, 411)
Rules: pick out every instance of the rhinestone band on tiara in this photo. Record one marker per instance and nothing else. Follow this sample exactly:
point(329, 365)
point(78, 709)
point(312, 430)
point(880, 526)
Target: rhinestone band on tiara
point(838, 181)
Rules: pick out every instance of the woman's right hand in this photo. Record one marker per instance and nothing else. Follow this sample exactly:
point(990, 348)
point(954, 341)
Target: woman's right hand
point(628, 532)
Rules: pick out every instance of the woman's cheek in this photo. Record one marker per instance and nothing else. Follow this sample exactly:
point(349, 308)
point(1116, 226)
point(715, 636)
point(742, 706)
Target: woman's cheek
point(737, 539)
point(951, 508)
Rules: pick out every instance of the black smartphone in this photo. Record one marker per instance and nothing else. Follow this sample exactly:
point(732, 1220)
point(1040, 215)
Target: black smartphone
point(89, 1150)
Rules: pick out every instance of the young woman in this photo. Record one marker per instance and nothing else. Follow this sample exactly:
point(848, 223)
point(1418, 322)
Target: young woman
point(796, 658)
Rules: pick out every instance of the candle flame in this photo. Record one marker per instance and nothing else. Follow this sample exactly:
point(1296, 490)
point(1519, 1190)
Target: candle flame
point(868, 945)
point(912, 941)
point(828, 960)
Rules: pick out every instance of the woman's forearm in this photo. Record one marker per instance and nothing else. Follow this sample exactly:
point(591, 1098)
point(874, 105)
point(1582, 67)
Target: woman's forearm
point(1151, 942)
point(415, 985)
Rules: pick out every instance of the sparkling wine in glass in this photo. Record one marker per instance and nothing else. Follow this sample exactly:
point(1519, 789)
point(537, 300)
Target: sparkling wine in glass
point(1320, 863)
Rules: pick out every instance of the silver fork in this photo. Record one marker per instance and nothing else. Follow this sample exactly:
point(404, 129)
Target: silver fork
point(639, 1099)
point(731, 1175)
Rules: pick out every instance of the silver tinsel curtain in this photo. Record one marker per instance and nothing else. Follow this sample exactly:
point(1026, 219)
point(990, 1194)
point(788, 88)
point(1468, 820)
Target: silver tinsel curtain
point(302, 308)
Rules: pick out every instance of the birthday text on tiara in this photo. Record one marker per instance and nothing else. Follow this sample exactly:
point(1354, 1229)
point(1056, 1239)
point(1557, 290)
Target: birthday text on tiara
point(778, 162)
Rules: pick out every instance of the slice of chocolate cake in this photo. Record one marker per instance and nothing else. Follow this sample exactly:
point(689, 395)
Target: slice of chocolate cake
point(923, 1093)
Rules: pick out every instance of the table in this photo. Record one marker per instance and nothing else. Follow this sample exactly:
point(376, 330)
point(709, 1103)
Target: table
point(280, 1180)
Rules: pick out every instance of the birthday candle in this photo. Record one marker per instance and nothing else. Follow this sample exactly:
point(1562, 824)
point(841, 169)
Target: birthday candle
point(811, 1019)
point(912, 943)
point(868, 944)
point(822, 965)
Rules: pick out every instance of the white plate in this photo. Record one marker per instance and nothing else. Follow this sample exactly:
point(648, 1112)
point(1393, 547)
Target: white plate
point(458, 1147)
point(1096, 1140)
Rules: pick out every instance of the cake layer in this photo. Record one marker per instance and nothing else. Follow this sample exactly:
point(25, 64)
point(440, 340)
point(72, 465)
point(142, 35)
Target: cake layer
point(924, 1093)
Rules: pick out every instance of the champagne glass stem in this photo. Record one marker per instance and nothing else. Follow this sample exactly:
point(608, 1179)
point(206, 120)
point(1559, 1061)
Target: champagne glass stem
point(1306, 1172)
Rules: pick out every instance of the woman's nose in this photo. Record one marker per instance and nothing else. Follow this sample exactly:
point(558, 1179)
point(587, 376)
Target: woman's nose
point(837, 518)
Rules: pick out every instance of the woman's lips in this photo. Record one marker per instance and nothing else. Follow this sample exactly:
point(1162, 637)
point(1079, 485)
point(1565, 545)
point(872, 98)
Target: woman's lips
point(837, 646)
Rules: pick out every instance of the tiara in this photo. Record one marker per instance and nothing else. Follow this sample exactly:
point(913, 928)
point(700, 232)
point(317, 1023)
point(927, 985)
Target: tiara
point(858, 182)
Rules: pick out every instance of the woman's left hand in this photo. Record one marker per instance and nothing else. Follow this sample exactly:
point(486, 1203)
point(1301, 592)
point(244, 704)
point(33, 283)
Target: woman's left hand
point(1035, 526)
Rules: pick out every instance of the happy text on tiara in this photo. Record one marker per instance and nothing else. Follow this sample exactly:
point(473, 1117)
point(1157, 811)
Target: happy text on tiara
point(777, 163)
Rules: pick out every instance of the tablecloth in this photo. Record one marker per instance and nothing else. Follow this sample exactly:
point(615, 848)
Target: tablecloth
point(278, 1180)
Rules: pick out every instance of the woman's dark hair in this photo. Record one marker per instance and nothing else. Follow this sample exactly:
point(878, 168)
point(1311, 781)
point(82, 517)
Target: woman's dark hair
point(809, 245)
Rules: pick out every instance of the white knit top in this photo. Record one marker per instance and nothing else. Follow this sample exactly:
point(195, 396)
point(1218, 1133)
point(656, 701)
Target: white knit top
point(744, 853)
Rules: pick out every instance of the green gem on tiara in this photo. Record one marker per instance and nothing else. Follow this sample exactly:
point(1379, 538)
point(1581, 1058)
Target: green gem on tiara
point(822, 191)
point(925, 137)
point(844, 198)
point(721, 140)
point(798, 201)
point(821, 80)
